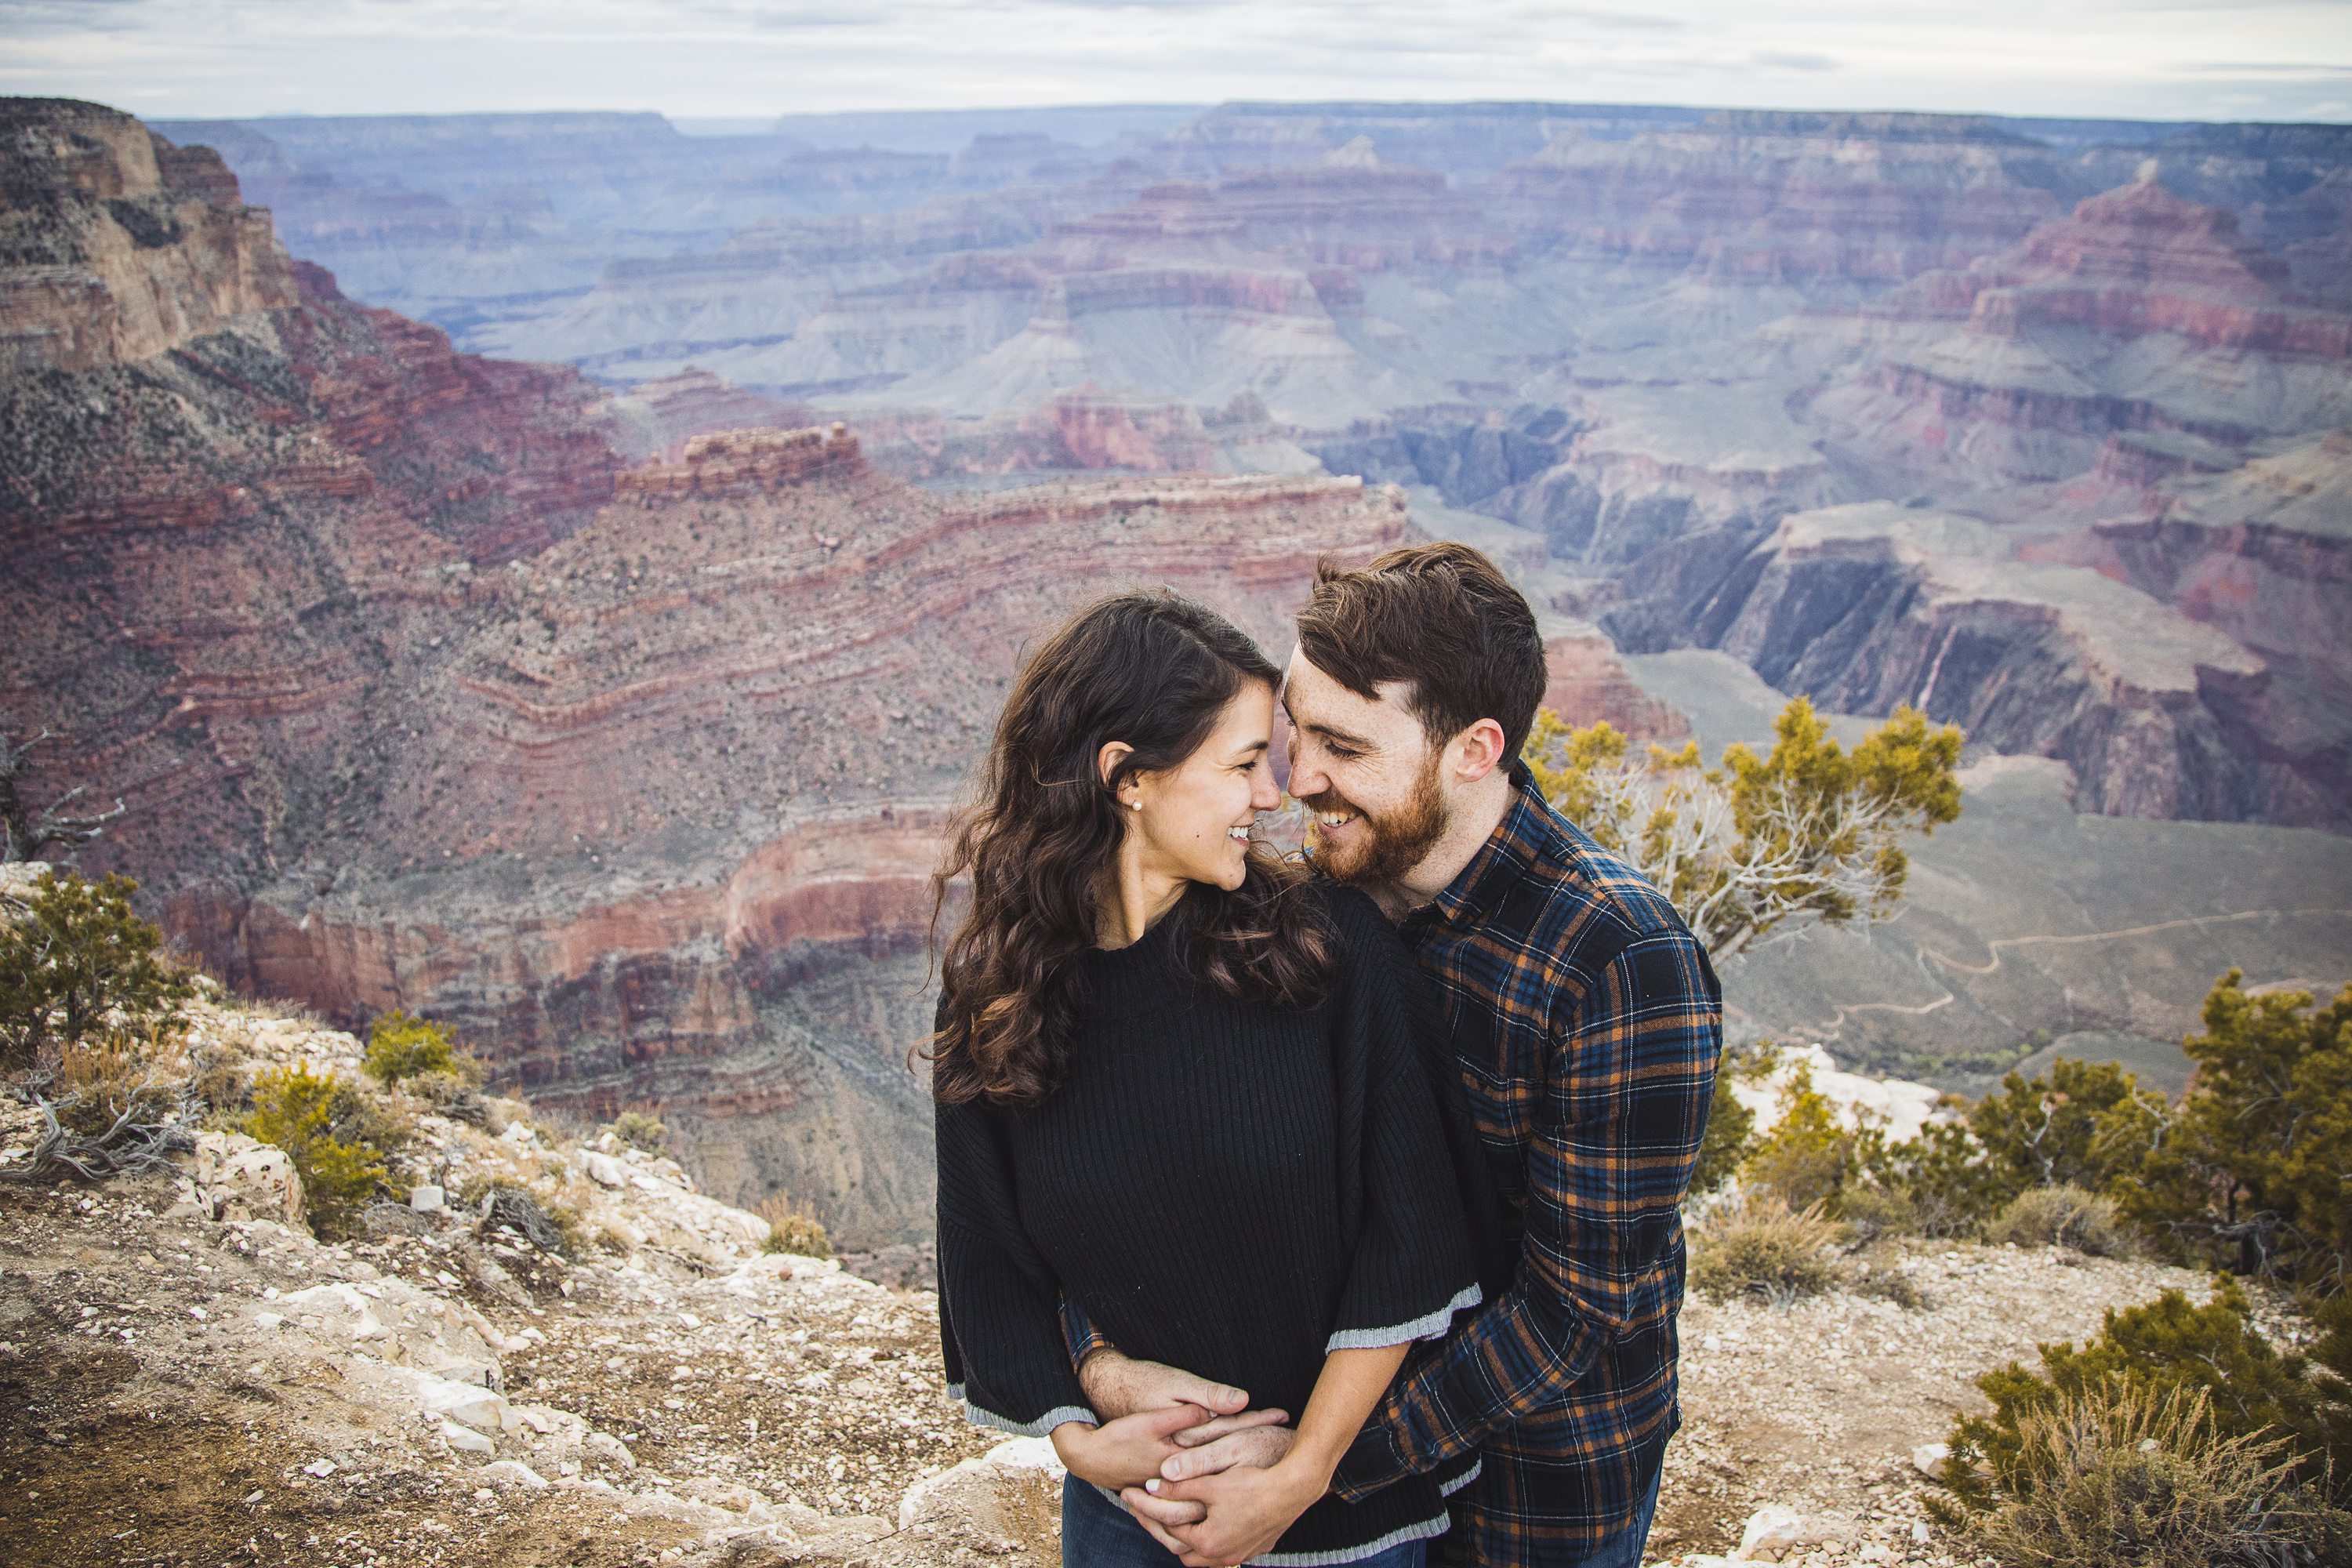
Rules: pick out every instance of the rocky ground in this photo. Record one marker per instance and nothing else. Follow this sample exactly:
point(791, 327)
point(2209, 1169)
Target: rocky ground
point(186, 1389)
point(1804, 1420)
point(181, 1388)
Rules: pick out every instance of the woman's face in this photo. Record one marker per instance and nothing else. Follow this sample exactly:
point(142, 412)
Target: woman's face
point(1196, 817)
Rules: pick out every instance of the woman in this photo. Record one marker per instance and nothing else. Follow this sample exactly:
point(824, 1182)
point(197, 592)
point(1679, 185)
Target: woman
point(1180, 1088)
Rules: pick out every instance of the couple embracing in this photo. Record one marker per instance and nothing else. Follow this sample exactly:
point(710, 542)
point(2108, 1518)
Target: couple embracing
point(1320, 1214)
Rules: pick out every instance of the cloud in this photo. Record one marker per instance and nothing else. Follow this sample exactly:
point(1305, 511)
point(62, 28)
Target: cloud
point(2274, 58)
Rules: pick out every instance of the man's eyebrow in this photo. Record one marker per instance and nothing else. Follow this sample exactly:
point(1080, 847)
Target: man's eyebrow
point(1328, 732)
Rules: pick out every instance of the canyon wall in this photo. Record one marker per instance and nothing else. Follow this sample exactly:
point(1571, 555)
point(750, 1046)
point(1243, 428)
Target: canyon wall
point(421, 694)
point(616, 720)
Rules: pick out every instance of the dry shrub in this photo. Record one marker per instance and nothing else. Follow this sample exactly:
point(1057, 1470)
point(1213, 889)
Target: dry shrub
point(2063, 1217)
point(2123, 1475)
point(793, 1226)
point(1887, 1284)
point(545, 1223)
point(120, 1078)
point(453, 1095)
point(1760, 1246)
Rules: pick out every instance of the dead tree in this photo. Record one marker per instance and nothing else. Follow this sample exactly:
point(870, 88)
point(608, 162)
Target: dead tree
point(24, 833)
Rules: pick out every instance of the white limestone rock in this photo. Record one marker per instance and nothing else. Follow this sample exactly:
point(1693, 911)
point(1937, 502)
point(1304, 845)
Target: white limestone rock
point(242, 1178)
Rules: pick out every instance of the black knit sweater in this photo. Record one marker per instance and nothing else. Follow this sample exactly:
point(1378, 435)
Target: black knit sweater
point(1237, 1190)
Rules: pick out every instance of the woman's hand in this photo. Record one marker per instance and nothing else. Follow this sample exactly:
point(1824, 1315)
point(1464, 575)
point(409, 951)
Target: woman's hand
point(1125, 1452)
point(1249, 1507)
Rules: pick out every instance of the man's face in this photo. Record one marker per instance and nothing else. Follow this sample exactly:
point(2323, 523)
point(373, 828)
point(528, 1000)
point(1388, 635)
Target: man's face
point(1368, 772)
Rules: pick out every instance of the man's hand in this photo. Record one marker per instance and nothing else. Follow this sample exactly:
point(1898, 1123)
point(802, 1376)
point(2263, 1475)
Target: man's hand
point(1118, 1385)
point(1263, 1447)
point(1125, 1452)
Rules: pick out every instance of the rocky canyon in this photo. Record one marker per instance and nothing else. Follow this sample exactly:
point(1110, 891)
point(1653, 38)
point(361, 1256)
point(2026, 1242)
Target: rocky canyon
point(555, 573)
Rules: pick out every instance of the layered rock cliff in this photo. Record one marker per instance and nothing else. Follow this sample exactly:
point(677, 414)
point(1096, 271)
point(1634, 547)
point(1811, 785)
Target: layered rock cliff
point(419, 694)
point(119, 245)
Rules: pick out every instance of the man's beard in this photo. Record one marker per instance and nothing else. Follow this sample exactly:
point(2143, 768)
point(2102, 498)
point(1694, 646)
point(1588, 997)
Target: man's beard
point(1397, 841)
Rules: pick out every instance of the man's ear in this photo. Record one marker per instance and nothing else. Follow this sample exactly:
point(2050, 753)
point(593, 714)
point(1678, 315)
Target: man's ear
point(1479, 750)
point(1107, 762)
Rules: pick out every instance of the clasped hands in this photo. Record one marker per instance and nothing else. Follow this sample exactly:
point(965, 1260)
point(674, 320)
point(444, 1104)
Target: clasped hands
point(1213, 1482)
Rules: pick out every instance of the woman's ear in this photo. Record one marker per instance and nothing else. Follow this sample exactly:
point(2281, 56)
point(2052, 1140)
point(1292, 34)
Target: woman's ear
point(1107, 762)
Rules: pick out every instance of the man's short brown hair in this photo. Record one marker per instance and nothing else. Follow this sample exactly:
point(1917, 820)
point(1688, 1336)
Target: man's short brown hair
point(1442, 616)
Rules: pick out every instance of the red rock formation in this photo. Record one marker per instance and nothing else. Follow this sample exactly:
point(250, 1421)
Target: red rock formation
point(744, 462)
point(2022, 366)
point(657, 417)
point(1589, 686)
point(1086, 428)
point(417, 697)
point(2139, 260)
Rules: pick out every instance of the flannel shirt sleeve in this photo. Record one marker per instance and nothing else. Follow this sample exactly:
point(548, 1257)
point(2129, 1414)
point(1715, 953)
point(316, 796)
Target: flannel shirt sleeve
point(1631, 1073)
point(1078, 1331)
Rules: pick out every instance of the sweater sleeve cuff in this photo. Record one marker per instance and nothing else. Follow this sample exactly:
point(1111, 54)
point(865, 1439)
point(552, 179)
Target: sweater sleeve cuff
point(979, 1415)
point(1428, 1326)
point(1370, 1462)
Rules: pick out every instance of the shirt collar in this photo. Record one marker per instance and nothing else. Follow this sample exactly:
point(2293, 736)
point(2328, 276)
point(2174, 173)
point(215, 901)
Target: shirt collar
point(1505, 856)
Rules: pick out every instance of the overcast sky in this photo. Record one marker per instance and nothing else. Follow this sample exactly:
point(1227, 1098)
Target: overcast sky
point(2270, 60)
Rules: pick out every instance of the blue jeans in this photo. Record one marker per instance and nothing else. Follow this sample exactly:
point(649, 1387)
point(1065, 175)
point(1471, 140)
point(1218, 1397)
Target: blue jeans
point(1624, 1550)
point(1098, 1534)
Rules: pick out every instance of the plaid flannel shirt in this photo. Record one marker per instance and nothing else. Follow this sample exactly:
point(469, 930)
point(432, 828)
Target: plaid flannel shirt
point(1587, 1023)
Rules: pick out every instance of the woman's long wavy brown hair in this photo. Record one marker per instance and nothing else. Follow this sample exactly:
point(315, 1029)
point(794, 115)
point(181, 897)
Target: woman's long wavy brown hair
point(1153, 671)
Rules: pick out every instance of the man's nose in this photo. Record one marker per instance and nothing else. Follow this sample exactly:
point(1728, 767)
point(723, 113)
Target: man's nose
point(1306, 778)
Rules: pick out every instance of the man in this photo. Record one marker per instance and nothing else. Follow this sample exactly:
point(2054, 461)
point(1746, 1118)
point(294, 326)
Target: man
point(1585, 1021)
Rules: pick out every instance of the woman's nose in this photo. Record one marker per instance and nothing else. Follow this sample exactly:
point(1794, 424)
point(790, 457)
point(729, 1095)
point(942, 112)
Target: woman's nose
point(1265, 795)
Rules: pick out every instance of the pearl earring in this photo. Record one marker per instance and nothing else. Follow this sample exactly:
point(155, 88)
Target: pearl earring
point(1135, 806)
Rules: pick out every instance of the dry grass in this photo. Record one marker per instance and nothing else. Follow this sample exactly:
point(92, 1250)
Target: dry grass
point(99, 1081)
point(1760, 1246)
point(793, 1226)
point(2122, 1475)
point(2063, 1216)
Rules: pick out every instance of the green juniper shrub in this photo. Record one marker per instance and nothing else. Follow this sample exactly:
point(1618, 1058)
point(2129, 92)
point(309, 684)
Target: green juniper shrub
point(403, 1046)
point(2331, 1387)
point(640, 1131)
point(336, 1135)
point(78, 962)
point(2059, 1130)
point(1730, 1126)
point(2247, 1172)
point(2165, 1345)
point(1938, 1181)
point(1809, 1156)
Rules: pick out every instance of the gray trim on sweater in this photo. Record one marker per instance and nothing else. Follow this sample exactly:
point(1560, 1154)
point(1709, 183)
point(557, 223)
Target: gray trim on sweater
point(1428, 1326)
point(1043, 1427)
